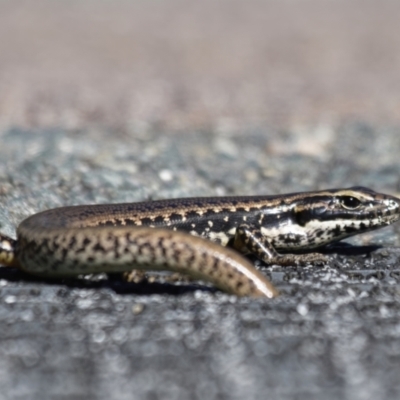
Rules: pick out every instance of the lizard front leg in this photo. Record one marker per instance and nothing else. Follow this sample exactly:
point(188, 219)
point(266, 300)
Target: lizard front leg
point(250, 240)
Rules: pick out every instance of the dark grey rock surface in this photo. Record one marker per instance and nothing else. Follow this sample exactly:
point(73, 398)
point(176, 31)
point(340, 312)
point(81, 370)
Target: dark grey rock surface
point(333, 333)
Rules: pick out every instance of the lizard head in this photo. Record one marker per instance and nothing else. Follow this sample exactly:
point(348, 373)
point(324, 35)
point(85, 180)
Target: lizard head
point(331, 215)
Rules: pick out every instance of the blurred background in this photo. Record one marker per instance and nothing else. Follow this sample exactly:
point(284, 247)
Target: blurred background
point(182, 65)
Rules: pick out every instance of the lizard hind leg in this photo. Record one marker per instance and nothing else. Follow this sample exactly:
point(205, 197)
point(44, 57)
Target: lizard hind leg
point(8, 251)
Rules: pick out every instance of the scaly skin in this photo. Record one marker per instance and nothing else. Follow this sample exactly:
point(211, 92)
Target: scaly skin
point(171, 235)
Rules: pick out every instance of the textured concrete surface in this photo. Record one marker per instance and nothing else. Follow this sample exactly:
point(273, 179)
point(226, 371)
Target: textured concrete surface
point(110, 102)
point(334, 332)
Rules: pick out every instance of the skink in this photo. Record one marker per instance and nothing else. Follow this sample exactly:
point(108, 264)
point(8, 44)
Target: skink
point(178, 235)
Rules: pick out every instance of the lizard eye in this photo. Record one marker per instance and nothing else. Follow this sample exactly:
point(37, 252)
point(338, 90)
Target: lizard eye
point(349, 202)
